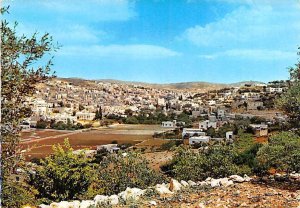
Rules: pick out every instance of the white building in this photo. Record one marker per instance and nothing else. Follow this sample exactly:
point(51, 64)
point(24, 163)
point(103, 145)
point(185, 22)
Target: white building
point(40, 107)
point(229, 135)
point(204, 125)
point(65, 117)
point(199, 139)
point(274, 89)
point(192, 132)
point(168, 124)
point(111, 148)
point(85, 116)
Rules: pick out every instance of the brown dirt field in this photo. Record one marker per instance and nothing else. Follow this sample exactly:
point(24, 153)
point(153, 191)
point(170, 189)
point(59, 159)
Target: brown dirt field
point(42, 148)
point(41, 134)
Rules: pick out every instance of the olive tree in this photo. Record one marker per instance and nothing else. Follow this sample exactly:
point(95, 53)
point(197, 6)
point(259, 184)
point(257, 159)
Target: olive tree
point(290, 100)
point(21, 70)
point(282, 152)
point(63, 175)
point(119, 171)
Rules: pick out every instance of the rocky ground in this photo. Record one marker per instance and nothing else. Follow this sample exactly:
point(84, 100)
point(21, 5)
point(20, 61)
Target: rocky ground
point(239, 195)
point(257, 193)
point(233, 191)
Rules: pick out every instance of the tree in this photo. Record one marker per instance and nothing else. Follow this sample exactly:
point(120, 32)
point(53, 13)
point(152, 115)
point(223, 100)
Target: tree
point(282, 152)
point(215, 161)
point(290, 100)
point(117, 172)
point(81, 107)
point(21, 71)
point(63, 175)
point(98, 114)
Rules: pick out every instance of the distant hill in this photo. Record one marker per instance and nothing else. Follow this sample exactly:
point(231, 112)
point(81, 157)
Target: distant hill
point(202, 86)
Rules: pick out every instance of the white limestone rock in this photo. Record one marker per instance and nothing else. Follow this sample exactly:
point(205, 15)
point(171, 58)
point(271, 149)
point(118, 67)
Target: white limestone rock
point(54, 205)
point(236, 178)
point(113, 200)
point(162, 189)
point(76, 204)
point(247, 178)
point(44, 206)
point(208, 179)
point(87, 203)
point(184, 183)
point(101, 200)
point(215, 183)
point(131, 193)
point(202, 183)
point(192, 183)
point(175, 185)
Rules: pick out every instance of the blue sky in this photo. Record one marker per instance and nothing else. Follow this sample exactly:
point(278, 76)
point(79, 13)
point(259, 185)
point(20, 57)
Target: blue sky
point(166, 41)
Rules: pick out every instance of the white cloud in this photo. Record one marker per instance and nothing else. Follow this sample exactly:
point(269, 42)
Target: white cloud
point(257, 54)
point(273, 26)
point(138, 51)
point(91, 10)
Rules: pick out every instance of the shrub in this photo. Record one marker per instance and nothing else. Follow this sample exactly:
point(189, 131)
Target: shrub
point(131, 120)
point(22, 193)
point(169, 145)
point(117, 172)
point(248, 159)
point(215, 161)
point(63, 175)
point(41, 124)
point(282, 152)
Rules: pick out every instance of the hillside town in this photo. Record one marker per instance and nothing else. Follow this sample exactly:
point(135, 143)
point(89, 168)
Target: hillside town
point(64, 101)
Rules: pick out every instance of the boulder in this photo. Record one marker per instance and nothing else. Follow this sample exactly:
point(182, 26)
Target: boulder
point(162, 189)
point(184, 183)
point(113, 200)
point(208, 179)
point(175, 185)
point(215, 183)
point(225, 182)
point(76, 204)
point(202, 183)
point(131, 193)
point(192, 183)
point(247, 178)
point(54, 205)
point(87, 203)
point(44, 206)
point(101, 200)
point(236, 178)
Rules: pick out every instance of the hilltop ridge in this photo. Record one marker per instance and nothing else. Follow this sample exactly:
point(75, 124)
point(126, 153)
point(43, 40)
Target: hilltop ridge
point(173, 86)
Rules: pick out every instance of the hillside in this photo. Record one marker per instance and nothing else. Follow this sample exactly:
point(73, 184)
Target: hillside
point(190, 86)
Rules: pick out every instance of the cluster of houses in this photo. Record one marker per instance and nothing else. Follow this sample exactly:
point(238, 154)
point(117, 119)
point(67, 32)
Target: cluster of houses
point(73, 101)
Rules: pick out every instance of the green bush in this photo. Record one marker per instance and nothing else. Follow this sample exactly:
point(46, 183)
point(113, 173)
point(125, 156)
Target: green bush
point(170, 144)
point(215, 161)
point(17, 194)
point(247, 158)
point(63, 175)
point(131, 120)
point(117, 172)
point(282, 152)
point(41, 124)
